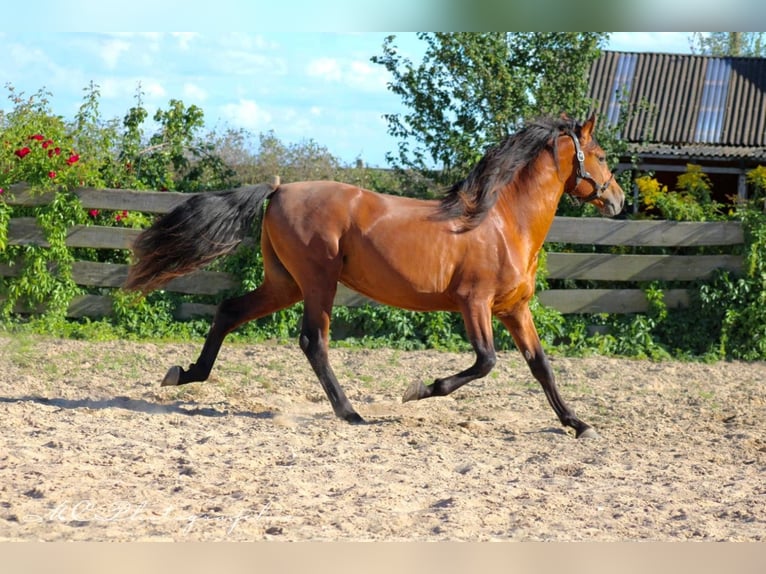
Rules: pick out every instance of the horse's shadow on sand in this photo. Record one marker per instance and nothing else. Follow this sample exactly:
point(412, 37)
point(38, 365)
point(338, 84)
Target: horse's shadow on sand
point(184, 408)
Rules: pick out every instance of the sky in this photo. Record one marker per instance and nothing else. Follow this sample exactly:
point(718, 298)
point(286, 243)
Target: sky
point(302, 86)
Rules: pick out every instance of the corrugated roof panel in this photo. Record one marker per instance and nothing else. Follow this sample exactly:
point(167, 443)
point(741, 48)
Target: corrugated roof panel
point(665, 69)
point(687, 96)
point(713, 104)
point(654, 93)
point(695, 100)
point(681, 98)
point(747, 104)
point(621, 86)
point(742, 90)
point(638, 124)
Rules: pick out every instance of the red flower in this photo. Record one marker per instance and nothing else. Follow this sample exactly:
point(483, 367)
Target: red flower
point(22, 152)
point(52, 152)
point(94, 212)
point(37, 137)
point(121, 216)
point(74, 158)
point(51, 174)
point(46, 143)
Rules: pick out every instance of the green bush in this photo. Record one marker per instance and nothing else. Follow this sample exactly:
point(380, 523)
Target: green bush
point(726, 319)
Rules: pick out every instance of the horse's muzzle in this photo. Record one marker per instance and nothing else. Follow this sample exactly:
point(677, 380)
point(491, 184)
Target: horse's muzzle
point(612, 202)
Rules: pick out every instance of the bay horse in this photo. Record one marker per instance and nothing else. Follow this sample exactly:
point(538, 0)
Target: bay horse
point(472, 251)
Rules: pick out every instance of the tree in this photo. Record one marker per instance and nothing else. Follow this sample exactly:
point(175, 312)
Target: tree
point(256, 162)
point(729, 44)
point(473, 89)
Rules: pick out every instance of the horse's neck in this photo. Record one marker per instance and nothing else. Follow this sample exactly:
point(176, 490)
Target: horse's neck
point(528, 210)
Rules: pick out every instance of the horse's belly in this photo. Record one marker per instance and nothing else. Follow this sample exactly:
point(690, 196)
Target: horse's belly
point(390, 287)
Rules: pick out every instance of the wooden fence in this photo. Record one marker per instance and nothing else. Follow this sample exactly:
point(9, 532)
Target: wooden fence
point(625, 269)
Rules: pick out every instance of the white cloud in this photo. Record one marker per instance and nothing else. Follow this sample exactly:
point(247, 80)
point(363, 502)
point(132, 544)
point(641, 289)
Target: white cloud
point(325, 68)
point(117, 88)
point(153, 89)
point(184, 39)
point(242, 63)
point(112, 88)
point(238, 54)
point(367, 77)
point(247, 114)
point(194, 92)
point(25, 57)
point(118, 50)
point(246, 42)
point(355, 74)
point(111, 51)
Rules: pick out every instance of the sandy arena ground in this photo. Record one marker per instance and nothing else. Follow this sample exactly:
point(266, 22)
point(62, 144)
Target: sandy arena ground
point(92, 448)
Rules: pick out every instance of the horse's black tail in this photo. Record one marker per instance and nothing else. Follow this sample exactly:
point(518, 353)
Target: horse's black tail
point(204, 227)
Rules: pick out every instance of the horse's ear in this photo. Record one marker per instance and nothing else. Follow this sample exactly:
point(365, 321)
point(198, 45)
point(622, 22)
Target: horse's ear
point(588, 127)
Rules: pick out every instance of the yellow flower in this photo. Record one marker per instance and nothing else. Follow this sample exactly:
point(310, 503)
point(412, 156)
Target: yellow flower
point(650, 190)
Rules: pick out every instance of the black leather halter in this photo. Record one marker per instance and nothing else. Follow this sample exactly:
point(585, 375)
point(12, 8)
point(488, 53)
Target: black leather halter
point(582, 173)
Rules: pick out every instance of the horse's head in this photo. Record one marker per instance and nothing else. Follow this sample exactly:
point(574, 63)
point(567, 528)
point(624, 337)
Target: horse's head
point(593, 182)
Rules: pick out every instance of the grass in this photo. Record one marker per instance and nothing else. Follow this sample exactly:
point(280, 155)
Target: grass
point(706, 397)
point(368, 380)
point(22, 350)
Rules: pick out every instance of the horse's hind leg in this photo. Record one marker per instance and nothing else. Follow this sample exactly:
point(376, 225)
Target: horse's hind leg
point(524, 333)
point(314, 339)
point(266, 299)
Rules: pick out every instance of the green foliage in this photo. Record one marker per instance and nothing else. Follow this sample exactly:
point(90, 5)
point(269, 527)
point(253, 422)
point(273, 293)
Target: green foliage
point(756, 178)
point(5, 217)
point(39, 149)
point(691, 201)
point(726, 319)
point(739, 303)
point(175, 158)
point(378, 326)
point(257, 161)
point(52, 155)
point(729, 43)
point(43, 280)
point(391, 181)
point(473, 89)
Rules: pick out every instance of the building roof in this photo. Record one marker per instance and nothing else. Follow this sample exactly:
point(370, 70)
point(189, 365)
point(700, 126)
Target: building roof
point(700, 106)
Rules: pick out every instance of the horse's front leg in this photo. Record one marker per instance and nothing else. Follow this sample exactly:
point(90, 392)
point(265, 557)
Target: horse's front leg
point(524, 333)
point(478, 321)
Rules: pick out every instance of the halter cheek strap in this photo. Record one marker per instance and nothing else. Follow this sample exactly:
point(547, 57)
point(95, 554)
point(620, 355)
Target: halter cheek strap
point(582, 173)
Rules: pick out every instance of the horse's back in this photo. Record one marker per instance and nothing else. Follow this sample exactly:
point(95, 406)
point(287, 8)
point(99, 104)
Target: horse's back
point(335, 207)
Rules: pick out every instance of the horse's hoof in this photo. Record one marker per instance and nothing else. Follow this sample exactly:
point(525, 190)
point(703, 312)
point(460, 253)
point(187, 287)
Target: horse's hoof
point(588, 432)
point(172, 377)
point(415, 392)
point(354, 419)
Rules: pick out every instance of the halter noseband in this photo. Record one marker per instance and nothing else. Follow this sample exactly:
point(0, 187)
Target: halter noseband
point(583, 173)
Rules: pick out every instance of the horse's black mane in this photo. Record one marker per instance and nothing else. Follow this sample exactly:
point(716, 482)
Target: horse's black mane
point(471, 199)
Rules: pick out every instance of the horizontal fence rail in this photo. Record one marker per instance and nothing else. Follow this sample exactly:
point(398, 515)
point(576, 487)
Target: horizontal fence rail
point(566, 231)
